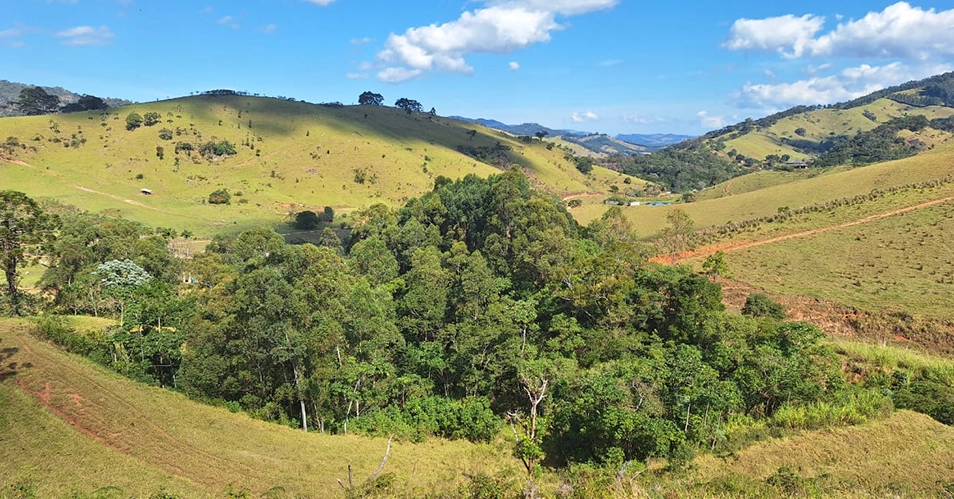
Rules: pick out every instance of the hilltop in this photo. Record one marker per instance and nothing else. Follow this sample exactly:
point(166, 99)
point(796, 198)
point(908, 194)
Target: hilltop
point(274, 156)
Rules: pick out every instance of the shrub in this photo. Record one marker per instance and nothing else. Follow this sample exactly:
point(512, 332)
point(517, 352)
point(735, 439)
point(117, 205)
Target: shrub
point(133, 121)
point(306, 220)
point(220, 196)
point(165, 134)
point(151, 118)
point(760, 305)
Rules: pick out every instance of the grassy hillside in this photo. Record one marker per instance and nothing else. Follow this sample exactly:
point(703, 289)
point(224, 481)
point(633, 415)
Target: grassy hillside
point(796, 135)
point(289, 156)
point(72, 428)
point(907, 455)
point(69, 426)
point(798, 190)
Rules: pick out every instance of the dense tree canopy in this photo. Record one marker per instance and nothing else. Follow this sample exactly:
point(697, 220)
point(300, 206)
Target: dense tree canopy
point(34, 101)
point(370, 99)
point(409, 105)
point(478, 307)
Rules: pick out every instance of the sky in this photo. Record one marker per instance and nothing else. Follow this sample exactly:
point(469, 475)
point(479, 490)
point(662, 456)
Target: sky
point(608, 66)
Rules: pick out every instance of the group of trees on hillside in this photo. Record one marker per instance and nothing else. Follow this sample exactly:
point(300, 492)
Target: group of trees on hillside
point(34, 101)
point(681, 168)
point(369, 98)
point(479, 309)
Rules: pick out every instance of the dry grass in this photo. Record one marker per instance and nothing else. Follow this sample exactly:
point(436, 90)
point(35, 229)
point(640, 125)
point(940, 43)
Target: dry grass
point(907, 455)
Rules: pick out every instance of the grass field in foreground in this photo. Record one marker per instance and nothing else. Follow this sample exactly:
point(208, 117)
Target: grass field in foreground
point(69, 426)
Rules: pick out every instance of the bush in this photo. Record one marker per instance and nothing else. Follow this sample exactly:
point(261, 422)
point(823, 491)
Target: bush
point(151, 118)
point(212, 148)
point(220, 196)
point(760, 305)
point(165, 134)
point(306, 220)
point(133, 121)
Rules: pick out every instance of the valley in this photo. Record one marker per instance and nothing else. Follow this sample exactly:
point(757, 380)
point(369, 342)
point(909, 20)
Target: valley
point(489, 312)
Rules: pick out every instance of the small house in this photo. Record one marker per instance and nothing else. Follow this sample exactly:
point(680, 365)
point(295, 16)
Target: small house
point(145, 192)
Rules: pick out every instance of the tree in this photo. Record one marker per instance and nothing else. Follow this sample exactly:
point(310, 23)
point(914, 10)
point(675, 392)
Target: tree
point(25, 232)
point(328, 215)
point(715, 266)
point(542, 134)
point(409, 105)
point(86, 103)
point(370, 99)
point(676, 238)
point(133, 121)
point(306, 220)
point(760, 305)
point(35, 101)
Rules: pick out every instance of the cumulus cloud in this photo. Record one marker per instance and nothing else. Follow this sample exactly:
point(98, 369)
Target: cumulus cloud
point(788, 34)
point(581, 117)
point(500, 27)
point(899, 31)
point(514, 66)
point(845, 85)
point(398, 75)
point(86, 35)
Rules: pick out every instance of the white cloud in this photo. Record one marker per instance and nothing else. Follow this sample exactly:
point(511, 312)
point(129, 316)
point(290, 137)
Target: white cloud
point(230, 22)
point(775, 33)
point(398, 75)
point(500, 27)
point(845, 85)
point(86, 35)
point(581, 117)
point(357, 76)
point(269, 29)
point(710, 122)
point(514, 66)
point(609, 63)
point(323, 3)
point(900, 31)
point(361, 41)
point(12, 32)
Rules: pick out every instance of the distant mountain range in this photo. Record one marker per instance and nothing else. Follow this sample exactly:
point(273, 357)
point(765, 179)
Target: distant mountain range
point(600, 143)
point(10, 93)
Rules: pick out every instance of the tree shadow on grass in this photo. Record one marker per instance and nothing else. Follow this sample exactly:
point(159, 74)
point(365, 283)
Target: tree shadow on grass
point(9, 370)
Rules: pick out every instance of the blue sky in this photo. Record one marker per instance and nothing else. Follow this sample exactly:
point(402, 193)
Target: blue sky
point(612, 66)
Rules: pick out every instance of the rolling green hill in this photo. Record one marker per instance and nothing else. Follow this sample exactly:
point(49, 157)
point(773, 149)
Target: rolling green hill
point(289, 156)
